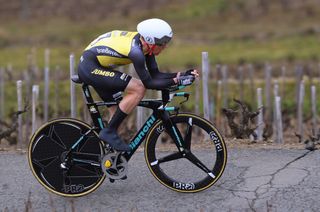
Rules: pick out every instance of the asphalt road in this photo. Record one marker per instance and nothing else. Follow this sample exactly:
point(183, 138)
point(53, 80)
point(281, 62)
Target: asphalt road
point(254, 180)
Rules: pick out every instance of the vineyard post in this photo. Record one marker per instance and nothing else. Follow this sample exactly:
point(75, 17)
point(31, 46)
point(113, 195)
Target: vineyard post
point(28, 81)
point(300, 109)
point(19, 100)
point(56, 91)
point(314, 110)
point(46, 83)
point(225, 95)
point(298, 77)
point(46, 94)
point(260, 123)
point(268, 73)
point(35, 94)
point(197, 97)
point(275, 112)
point(218, 107)
point(205, 74)
point(278, 120)
point(73, 103)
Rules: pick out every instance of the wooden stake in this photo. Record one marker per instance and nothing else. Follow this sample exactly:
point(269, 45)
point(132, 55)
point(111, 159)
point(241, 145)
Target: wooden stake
point(205, 94)
point(19, 100)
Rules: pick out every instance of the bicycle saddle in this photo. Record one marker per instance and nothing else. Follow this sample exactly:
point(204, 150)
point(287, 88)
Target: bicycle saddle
point(75, 78)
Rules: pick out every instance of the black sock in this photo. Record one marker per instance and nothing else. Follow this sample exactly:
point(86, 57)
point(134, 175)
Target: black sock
point(117, 119)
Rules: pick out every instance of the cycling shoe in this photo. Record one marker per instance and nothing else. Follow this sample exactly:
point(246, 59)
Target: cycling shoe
point(112, 138)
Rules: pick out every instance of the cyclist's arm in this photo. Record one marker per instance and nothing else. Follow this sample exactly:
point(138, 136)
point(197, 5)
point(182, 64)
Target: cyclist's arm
point(154, 70)
point(139, 63)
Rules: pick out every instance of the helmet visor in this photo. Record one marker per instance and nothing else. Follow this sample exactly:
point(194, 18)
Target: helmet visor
point(162, 41)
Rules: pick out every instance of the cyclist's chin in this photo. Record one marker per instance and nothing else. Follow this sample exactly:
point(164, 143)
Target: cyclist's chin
point(156, 53)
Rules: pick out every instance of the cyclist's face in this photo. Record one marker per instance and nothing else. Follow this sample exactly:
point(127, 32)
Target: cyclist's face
point(158, 49)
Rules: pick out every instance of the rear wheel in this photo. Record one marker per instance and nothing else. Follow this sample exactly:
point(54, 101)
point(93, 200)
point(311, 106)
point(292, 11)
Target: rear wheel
point(198, 166)
point(48, 149)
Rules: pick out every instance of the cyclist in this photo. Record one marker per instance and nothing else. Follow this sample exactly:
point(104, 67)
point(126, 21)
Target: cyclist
point(110, 50)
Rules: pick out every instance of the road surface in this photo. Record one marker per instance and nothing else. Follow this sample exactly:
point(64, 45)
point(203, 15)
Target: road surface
point(254, 180)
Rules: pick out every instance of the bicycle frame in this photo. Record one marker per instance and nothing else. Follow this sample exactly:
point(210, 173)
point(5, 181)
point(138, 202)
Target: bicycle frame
point(160, 112)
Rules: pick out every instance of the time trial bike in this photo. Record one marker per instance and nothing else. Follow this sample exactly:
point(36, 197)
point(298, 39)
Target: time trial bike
point(183, 151)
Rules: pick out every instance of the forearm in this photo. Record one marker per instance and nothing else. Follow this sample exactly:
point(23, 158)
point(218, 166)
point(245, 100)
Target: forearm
point(158, 84)
point(161, 75)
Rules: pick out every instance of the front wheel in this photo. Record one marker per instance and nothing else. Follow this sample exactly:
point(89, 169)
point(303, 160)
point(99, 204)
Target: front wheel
point(50, 146)
point(193, 169)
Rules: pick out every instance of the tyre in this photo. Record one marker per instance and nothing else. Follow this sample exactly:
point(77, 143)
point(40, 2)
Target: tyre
point(199, 166)
point(48, 149)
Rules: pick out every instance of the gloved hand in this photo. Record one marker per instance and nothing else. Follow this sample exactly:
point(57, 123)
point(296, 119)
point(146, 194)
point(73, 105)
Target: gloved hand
point(188, 72)
point(191, 72)
point(185, 80)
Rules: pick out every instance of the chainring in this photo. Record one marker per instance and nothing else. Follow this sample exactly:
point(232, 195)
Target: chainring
point(118, 168)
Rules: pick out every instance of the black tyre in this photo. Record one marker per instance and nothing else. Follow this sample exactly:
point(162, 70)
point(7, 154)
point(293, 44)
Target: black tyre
point(49, 146)
point(195, 171)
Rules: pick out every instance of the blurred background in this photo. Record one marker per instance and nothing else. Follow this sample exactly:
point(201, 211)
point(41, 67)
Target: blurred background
point(233, 32)
point(250, 34)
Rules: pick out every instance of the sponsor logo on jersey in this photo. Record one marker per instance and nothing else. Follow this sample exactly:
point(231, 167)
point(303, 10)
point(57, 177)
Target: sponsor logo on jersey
point(124, 76)
point(108, 51)
point(103, 73)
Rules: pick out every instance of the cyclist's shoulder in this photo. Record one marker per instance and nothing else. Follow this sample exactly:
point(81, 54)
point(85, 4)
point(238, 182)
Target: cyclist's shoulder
point(136, 48)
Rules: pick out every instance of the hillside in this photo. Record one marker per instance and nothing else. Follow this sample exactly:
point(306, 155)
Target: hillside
point(232, 32)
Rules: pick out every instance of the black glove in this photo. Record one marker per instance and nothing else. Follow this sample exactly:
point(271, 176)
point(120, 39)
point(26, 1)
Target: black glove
point(187, 73)
point(185, 80)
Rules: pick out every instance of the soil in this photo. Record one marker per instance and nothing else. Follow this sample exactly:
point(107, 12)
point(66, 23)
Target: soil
point(230, 142)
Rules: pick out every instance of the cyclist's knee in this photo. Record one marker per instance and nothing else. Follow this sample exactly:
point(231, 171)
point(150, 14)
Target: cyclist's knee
point(140, 87)
point(137, 88)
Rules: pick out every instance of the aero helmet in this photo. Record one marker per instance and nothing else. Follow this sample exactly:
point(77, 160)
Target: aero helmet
point(155, 31)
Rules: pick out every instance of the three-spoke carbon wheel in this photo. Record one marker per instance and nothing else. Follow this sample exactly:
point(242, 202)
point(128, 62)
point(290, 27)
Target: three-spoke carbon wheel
point(198, 166)
point(61, 171)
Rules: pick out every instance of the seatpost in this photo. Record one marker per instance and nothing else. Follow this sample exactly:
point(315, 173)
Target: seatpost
point(87, 93)
point(93, 108)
